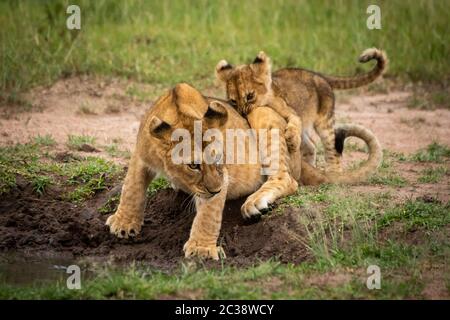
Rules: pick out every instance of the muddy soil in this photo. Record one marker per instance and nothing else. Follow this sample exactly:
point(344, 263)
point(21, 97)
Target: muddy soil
point(47, 224)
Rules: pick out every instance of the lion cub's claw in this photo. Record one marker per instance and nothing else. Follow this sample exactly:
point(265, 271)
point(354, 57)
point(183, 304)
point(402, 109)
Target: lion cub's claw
point(260, 202)
point(255, 205)
point(124, 227)
point(193, 249)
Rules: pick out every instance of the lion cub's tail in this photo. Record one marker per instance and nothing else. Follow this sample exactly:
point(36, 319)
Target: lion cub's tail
point(375, 153)
point(362, 79)
point(311, 175)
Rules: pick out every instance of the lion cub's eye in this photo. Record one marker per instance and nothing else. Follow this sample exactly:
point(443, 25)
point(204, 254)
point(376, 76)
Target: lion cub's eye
point(250, 96)
point(194, 166)
point(233, 102)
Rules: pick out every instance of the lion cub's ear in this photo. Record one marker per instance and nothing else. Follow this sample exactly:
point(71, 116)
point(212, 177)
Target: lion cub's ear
point(261, 64)
point(216, 115)
point(159, 128)
point(223, 70)
point(190, 102)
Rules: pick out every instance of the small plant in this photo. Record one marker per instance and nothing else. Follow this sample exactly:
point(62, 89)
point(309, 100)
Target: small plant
point(22, 160)
point(7, 180)
point(40, 183)
point(76, 142)
point(89, 176)
point(46, 140)
point(156, 185)
point(86, 109)
point(307, 195)
point(114, 151)
point(388, 180)
point(110, 205)
point(385, 174)
point(433, 175)
point(433, 153)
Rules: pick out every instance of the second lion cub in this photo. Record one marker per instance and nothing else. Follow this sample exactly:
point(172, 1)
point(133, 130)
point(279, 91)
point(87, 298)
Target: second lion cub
point(292, 92)
point(290, 125)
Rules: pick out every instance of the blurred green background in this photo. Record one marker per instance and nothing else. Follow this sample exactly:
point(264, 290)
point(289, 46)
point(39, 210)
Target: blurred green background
point(166, 42)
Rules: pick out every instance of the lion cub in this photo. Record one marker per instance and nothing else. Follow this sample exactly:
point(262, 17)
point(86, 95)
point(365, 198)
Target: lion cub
point(288, 172)
point(292, 92)
point(251, 101)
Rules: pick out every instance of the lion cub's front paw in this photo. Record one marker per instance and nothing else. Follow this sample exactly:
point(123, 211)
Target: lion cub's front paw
point(249, 209)
point(293, 141)
point(256, 204)
point(260, 202)
point(124, 227)
point(193, 249)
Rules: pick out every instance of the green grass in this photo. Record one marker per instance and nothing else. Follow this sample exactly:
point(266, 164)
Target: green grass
point(111, 205)
point(139, 94)
point(433, 175)
point(163, 42)
point(75, 142)
point(81, 178)
point(430, 97)
point(114, 151)
point(40, 183)
point(337, 222)
point(388, 180)
point(343, 229)
point(418, 214)
point(308, 195)
point(386, 174)
point(156, 185)
point(229, 283)
point(45, 140)
point(90, 176)
point(21, 159)
point(435, 152)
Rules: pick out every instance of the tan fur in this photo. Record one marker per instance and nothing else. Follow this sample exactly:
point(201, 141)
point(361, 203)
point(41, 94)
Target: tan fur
point(293, 92)
point(212, 184)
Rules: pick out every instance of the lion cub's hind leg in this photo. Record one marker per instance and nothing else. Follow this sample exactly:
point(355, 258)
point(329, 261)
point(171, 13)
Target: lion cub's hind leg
point(333, 158)
point(324, 126)
point(308, 148)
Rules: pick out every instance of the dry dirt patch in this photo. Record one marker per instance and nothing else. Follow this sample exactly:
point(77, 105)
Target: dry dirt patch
point(108, 110)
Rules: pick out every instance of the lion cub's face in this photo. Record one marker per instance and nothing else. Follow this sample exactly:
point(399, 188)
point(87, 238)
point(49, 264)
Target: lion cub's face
point(179, 110)
point(202, 180)
point(247, 86)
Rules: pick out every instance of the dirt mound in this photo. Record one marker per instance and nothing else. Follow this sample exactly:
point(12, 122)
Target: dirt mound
point(48, 223)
